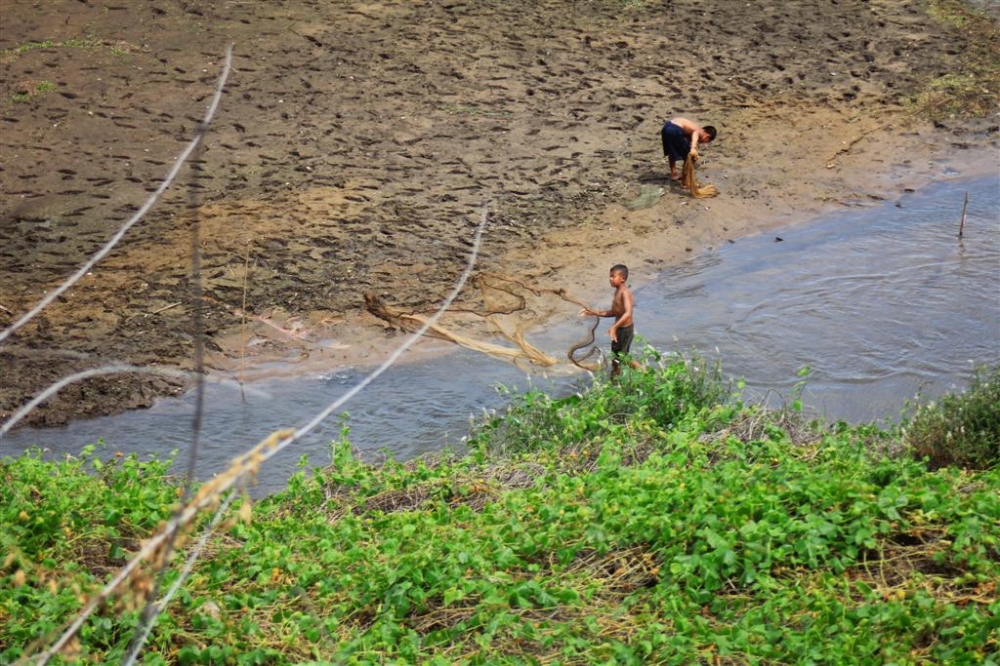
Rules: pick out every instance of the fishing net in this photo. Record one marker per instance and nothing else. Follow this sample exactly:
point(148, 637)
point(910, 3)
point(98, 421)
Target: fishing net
point(688, 180)
point(499, 296)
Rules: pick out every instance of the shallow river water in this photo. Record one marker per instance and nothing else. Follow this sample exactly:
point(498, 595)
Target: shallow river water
point(880, 303)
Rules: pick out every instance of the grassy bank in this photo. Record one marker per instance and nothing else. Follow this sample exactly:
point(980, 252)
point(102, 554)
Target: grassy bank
point(657, 520)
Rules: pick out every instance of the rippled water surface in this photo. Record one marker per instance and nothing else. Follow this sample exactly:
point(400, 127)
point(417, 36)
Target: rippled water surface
point(879, 303)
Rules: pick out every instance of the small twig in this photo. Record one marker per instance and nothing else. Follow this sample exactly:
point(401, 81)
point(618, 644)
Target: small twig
point(6, 310)
point(165, 308)
point(845, 149)
point(961, 226)
point(243, 324)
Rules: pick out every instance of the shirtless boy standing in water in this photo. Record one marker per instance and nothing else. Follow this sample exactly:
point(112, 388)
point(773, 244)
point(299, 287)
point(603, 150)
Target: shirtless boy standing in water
point(623, 329)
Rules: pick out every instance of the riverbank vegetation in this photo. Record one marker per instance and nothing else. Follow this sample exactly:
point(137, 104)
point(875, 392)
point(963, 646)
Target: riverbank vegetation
point(972, 89)
point(659, 519)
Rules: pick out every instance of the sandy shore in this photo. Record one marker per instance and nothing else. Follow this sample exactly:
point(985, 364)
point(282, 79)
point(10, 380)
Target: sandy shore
point(656, 225)
point(357, 144)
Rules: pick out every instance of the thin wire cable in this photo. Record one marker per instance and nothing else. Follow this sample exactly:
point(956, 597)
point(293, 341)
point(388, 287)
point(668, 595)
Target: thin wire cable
point(477, 241)
point(145, 628)
point(253, 459)
point(151, 610)
point(113, 369)
point(100, 254)
point(197, 324)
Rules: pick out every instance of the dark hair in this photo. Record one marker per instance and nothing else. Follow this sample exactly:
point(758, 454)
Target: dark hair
point(710, 131)
point(621, 269)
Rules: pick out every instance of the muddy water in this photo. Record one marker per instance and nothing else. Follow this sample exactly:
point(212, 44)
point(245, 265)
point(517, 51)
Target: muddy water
point(880, 303)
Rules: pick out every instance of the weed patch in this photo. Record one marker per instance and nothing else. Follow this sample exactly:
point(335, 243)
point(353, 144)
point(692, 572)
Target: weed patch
point(27, 90)
point(973, 89)
point(652, 520)
point(959, 429)
point(117, 47)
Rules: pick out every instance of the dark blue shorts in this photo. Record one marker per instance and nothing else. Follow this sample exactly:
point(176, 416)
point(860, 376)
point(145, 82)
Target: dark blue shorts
point(675, 144)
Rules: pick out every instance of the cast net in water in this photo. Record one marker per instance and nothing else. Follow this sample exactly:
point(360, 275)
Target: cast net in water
point(492, 308)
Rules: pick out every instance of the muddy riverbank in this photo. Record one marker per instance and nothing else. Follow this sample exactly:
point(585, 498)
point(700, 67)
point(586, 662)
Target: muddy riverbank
point(357, 144)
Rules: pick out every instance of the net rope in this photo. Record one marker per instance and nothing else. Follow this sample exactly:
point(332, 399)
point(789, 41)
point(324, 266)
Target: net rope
point(500, 296)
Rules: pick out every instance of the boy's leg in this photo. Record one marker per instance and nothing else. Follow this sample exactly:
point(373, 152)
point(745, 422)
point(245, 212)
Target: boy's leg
point(673, 146)
point(620, 350)
point(668, 152)
point(616, 356)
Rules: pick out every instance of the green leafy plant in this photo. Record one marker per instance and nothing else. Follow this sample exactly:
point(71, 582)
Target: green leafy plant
point(961, 429)
point(655, 519)
point(30, 89)
point(973, 89)
point(655, 399)
point(88, 42)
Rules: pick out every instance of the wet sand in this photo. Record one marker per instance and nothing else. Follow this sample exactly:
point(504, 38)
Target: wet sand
point(357, 143)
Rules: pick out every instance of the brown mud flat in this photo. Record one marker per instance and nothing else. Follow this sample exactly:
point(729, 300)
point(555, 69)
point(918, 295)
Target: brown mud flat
point(358, 142)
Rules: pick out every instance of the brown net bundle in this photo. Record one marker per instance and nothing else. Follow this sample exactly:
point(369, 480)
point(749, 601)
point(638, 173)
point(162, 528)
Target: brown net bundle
point(500, 296)
point(689, 182)
point(524, 351)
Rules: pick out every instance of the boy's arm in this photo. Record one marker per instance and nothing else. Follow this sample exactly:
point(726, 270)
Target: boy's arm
point(695, 138)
